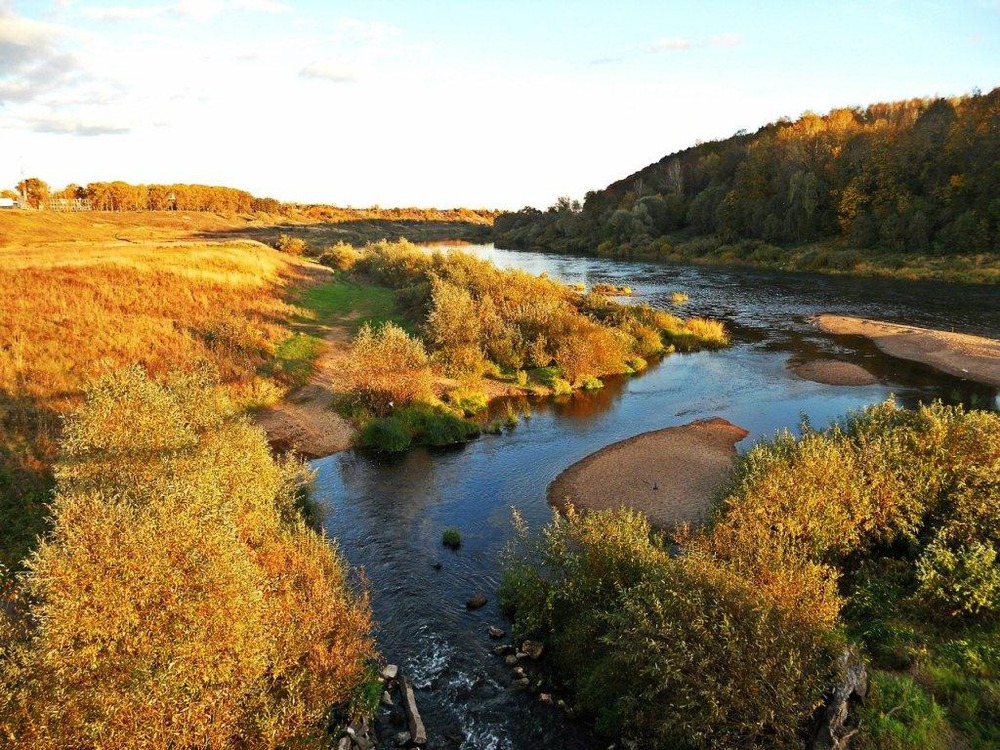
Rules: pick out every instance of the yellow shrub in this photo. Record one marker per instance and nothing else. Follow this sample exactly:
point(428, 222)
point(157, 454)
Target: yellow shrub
point(180, 601)
point(388, 368)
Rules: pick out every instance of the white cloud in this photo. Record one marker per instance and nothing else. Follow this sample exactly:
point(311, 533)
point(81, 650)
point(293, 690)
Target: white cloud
point(675, 44)
point(123, 12)
point(204, 10)
point(71, 126)
point(33, 63)
point(326, 72)
point(725, 40)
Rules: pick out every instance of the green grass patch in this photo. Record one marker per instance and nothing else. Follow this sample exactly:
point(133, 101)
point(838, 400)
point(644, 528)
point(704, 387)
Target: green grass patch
point(900, 715)
point(417, 424)
point(452, 539)
point(348, 303)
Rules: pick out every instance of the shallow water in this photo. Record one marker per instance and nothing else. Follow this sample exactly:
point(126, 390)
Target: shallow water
point(388, 513)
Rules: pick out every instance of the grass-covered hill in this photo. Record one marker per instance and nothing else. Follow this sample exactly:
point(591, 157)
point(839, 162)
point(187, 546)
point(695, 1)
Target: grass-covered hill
point(845, 190)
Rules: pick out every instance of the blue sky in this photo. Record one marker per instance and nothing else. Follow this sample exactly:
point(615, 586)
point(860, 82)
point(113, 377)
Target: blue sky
point(445, 103)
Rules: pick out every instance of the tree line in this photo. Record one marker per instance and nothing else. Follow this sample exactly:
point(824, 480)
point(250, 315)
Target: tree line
point(117, 195)
point(918, 176)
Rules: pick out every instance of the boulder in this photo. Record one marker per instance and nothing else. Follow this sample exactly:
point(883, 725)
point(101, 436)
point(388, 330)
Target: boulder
point(510, 660)
point(496, 633)
point(476, 601)
point(545, 698)
point(503, 649)
point(387, 699)
point(522, 683)
point(389, 672)
point(418, 735)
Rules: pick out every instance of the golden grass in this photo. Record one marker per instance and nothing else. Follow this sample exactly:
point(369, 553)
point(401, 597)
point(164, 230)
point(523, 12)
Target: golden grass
point(75, 313)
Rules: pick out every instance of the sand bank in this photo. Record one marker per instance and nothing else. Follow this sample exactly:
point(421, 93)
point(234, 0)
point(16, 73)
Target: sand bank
point(833, 372)
point(669, 474)
point(972, 357)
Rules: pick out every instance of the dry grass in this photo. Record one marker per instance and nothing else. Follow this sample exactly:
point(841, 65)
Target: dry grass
point(79, 303)
point(75, 313)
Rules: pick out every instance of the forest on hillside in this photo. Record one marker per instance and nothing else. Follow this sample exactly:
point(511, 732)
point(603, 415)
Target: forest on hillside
point(917, 176)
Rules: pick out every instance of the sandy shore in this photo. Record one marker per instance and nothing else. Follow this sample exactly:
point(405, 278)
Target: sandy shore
point(971, 357)
point(668, 474)
point(833, 372)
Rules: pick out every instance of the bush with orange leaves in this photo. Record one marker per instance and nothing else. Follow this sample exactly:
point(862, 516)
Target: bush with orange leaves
point(180, 600)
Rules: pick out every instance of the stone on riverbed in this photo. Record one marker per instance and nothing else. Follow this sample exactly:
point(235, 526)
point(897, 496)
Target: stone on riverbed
point(418, 735)
point(476, 601)
point(496, 633)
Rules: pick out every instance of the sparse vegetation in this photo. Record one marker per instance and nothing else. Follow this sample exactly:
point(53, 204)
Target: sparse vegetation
point(678, 298)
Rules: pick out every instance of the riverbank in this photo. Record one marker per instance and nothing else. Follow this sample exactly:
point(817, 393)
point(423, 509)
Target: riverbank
point(974, 358)
point(670, 475)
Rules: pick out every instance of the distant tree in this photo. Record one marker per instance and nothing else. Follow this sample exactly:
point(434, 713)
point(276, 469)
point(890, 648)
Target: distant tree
point(34, 190)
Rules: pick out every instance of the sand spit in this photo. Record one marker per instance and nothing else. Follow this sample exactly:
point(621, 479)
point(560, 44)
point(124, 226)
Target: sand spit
point(670, 474)
point(971, 357)
point(833, 372)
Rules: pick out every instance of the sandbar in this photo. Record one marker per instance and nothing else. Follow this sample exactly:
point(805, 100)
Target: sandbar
point(670, 475)
point(974, 358)
point(833, 372)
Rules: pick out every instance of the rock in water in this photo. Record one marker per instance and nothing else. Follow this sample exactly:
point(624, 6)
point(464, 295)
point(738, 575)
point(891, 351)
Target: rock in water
point(418, 735)
point(838, 718)
point(496, 633)
point(476, 601)
point(389, 671)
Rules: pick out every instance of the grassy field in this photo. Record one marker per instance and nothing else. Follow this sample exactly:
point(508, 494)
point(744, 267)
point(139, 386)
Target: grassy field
point(85, 294)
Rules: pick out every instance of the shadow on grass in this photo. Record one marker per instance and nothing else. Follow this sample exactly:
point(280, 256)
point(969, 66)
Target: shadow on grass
point(358, 232)
point(27, 450)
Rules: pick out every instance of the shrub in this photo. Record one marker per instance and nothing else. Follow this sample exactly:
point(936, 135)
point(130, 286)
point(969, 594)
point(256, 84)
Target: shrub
point(291, 245)
point(387, 368)
point(678, 298)
point(959, 581)
point(734, 669)
point(341, 256)
point(451, 538)
point(181, 599)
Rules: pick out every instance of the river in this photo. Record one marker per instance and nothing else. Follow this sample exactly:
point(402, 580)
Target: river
point(388, 513)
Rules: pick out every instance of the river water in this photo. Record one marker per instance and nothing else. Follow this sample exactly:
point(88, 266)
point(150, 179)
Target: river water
point(388, 513)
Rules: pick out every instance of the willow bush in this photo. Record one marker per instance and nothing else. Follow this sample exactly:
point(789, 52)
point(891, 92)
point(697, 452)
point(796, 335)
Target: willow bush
point(180, 600)
point(666, 651)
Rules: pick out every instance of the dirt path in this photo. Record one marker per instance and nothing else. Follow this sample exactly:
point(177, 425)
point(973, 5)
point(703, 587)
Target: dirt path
point(670, 475)
point(305, 422)
point(971, 357)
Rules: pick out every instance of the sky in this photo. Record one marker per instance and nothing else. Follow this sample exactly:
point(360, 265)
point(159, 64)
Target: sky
point(495, 103)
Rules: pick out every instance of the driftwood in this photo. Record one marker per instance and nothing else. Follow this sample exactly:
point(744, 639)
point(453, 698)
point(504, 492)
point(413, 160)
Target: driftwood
point(838, 718)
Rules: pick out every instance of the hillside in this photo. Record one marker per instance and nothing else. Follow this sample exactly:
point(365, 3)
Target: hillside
point(911, 179)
